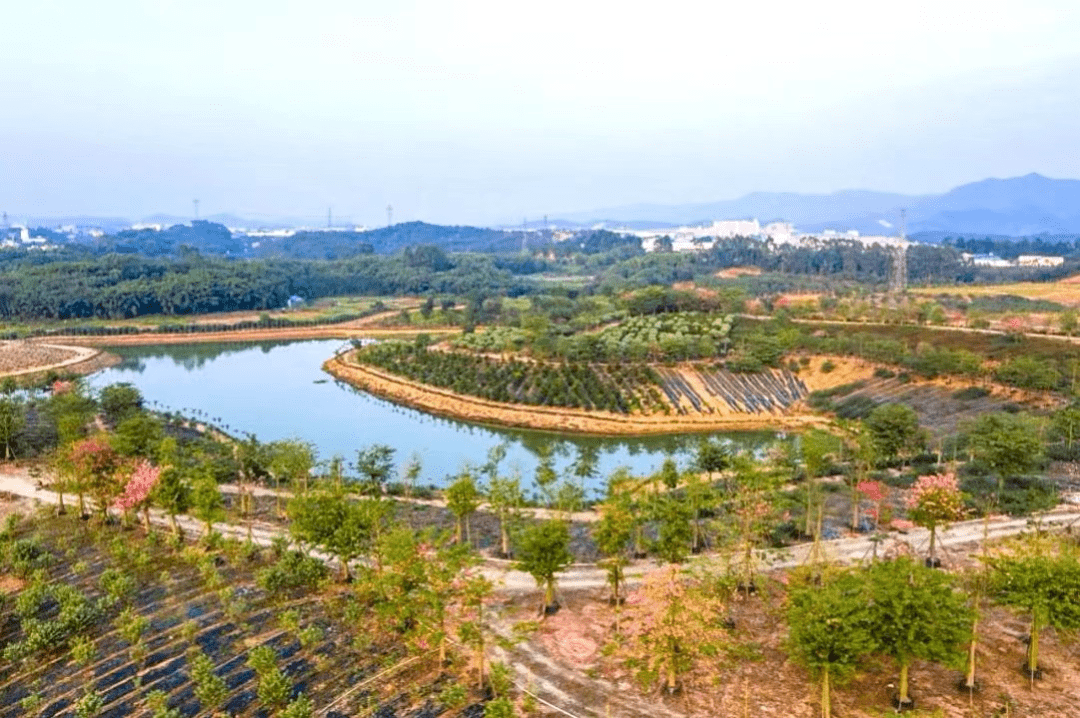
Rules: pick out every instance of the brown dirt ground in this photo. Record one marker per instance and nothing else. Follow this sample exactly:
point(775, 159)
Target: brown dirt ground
point(733, 272)
point(1065, 291)
point(33, 358)
point(567, 650)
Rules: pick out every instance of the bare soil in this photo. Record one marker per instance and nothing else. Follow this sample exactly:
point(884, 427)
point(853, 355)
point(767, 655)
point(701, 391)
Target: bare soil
point(21, 358)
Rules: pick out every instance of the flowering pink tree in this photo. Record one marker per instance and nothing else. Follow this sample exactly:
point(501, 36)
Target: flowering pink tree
point(934, 500)
point(876, 493)
point(96, 467)
point(137, 490)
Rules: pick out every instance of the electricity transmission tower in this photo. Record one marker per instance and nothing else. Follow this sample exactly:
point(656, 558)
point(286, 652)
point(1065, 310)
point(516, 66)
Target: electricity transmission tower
point(389, 215)
point(898, 271)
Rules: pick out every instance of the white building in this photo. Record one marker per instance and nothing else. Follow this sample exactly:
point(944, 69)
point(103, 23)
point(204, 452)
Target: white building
point(1038, 260)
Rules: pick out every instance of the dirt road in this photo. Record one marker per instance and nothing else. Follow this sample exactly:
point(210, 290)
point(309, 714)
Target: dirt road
point(952, 542)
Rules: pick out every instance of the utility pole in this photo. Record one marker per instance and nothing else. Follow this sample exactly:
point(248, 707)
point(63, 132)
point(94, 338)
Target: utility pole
point(898, 271)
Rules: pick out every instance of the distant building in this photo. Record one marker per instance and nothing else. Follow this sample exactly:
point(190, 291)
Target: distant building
point(989, 260)
point(1038, 260)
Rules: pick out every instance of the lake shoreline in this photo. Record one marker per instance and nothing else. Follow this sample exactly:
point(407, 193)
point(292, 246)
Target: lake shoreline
point(443, 402)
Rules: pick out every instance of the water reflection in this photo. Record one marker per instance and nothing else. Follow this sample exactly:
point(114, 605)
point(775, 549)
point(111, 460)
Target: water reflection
point(277, 390)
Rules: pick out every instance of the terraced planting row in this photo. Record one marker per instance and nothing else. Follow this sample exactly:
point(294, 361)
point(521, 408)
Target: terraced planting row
point(705, 390)
point(940, 409)
point(99, 621)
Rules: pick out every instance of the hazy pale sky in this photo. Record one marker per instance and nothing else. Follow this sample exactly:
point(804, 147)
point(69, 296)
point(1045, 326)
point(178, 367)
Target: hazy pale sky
point(483, 111)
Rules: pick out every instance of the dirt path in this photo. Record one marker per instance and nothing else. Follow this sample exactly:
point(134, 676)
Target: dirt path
point(18, 482)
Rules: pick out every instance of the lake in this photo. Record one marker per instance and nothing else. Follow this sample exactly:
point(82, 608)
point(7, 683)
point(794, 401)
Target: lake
point(277, 390)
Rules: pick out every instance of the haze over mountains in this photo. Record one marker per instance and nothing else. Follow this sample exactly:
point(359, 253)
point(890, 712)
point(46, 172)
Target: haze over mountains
point(1017, 206)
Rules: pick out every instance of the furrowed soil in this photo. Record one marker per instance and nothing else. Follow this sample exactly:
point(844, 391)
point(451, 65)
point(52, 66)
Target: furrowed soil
point(22, 358)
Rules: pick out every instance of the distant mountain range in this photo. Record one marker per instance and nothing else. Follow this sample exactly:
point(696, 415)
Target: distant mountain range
point(1018, 206)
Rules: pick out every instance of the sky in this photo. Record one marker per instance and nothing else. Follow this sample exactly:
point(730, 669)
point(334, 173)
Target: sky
point(484, 111)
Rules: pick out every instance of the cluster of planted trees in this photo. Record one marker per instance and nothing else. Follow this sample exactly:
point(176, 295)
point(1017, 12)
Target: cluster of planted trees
point(621, 388)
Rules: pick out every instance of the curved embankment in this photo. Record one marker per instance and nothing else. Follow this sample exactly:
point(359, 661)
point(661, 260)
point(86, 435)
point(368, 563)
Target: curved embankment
point(469, 408)
point(22, 358)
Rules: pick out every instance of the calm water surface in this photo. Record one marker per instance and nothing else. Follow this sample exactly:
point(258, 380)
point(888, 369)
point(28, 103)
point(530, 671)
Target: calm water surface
point(277, 390)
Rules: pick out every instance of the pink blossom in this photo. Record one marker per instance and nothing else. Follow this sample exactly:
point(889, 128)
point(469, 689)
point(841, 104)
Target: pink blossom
point(138, 488)
point(873, 490)
point(62, 387)
point(930, 488)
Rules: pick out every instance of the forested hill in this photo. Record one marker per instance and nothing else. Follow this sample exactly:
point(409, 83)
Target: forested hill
point(210, 238)
point(117, 286)
point(337, 244)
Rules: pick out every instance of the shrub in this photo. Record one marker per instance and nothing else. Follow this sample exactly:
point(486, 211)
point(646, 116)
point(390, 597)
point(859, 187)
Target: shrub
point(971, 393)
point(293, 572)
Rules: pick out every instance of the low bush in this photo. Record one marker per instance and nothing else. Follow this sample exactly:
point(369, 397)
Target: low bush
point(292, 573)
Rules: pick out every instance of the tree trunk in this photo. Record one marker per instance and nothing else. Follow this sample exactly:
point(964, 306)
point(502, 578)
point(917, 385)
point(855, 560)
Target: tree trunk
point(146, 519)
point(854, 507)
point(969, 675)
point(1033, 646)
point(904, 684)
point(504, 536)
point(457, 530)
point(344, 571)
point(826, 704)
point(468, 531)
point(933, 542)
point(549, 596)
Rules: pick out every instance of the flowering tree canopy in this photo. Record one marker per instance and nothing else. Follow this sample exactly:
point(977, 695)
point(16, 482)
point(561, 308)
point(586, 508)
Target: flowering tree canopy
point(935, 499)
point(139, 487)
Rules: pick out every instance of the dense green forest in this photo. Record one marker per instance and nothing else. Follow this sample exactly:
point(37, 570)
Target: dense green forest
point(202, 268)
point(117, 286)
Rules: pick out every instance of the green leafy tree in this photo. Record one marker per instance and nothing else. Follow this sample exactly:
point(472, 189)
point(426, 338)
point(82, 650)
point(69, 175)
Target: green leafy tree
point(505, 497)
point(12, 422)
point(206, 499)
point(275, 688)
point(290, 461)
point(674, 532)
point(544, 551)
point(1007, 444)
point(830, 630)
point(343, 528)
point(818, 449)
point(894, 429)
point(172, 493)
point(1043, 580)
point(463, 498)
point(210, 688)
point(120, 401)
point(139, 434)
point(613, 535)
point(375, 463)
point(917, 613)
